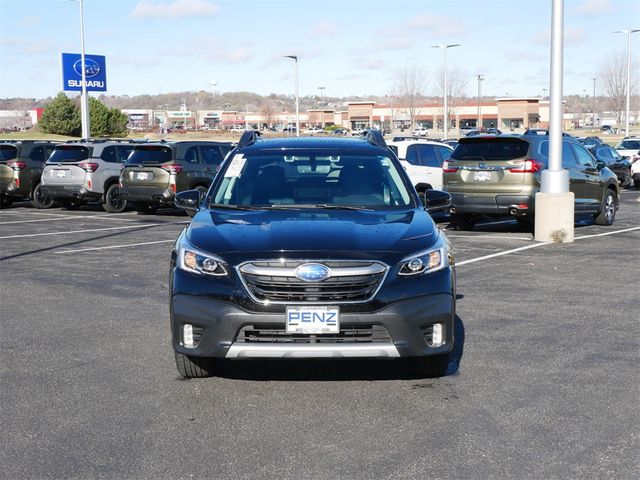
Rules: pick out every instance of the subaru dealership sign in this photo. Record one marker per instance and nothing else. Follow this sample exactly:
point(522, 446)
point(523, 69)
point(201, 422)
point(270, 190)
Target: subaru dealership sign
point(95, 68)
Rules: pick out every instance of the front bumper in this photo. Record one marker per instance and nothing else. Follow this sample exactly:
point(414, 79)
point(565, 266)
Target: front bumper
point(76, 192)
point(492, 204)
point(157, 195)
point(407, 322)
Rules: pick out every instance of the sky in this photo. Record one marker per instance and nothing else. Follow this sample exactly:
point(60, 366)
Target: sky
point(350, 47)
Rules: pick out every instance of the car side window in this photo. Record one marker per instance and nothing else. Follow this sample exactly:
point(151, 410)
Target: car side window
point(428, 157)
point(123, 152)
point(211, 155)
point(191, 155)
point(109, 154)
point(37, 154)
point(583, 157)
point(412, 155)
point(604, 154)
point(444, 153)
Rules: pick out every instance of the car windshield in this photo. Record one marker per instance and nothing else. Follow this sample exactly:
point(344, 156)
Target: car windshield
point(628, 145)
point(8, 152)
point(310, 179)
point(149, 154)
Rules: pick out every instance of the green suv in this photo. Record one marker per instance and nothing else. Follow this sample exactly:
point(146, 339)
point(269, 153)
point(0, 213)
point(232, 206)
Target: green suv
point(499, 175)
point(154, 172)
point(21, 165)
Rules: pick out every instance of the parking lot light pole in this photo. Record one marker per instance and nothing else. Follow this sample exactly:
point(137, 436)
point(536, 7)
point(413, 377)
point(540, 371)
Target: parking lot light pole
point(321, 109)
point(445, 115)
point(593, 110)
point(295, 59)
point(626, 115)
point(480, 79)
point(84, 100)
point(554, 203)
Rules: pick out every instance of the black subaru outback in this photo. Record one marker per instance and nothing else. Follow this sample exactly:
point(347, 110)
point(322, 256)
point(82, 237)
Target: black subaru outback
point(312, 247)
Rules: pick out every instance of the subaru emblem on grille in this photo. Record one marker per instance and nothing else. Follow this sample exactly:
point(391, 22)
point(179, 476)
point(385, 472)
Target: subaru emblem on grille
point(312, 272)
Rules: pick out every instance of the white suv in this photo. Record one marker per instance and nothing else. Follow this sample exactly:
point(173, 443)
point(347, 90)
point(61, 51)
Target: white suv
point(84, 171)
point(423, 162)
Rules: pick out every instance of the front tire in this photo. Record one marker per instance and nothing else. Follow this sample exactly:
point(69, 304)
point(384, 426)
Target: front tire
point(433, 366)
point(194, 367)
point(607, 213)
point(39, 200)
point(113, 203)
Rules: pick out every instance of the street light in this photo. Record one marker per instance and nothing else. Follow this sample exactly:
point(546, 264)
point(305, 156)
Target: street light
point(213, 84)
point(295, 59)
point(593, 110)
point(628, 32)
point(321, 109)
point(445, 115)
point(84, 101)
point(480, 79)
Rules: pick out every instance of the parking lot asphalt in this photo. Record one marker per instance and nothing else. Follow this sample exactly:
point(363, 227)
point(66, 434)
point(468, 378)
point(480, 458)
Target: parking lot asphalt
point(544, 384)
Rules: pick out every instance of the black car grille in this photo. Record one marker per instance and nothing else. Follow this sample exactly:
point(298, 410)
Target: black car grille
point(275, 282)
point(274, 333)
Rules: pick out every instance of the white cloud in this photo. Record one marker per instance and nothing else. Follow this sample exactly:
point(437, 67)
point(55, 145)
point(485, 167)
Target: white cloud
point(437, 25)
point(323, 28)
point(594, 7)
point(175, 8)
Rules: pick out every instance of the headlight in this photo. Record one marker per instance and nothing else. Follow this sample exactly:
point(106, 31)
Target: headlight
point(195, 261)
point(427, 261)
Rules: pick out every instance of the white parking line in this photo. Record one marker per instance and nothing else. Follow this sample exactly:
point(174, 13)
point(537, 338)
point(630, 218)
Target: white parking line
point(31, 212)
point(541, 244)
point(607, 233)
point(115, 246)
point(91, 230)
point(40, 220)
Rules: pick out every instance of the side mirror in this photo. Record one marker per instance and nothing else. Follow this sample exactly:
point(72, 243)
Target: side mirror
point(436, 200)
point(189, 201)
point(600, 164)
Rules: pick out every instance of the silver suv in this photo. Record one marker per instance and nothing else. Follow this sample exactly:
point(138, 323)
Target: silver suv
point(87, 170)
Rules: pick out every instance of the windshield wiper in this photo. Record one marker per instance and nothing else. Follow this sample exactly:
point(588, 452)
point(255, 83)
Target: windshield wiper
point(327, 206)
point(235, 207)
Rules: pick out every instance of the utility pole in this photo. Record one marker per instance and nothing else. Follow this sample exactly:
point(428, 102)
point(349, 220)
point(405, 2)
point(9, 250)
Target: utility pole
point(554, 203)
point(295, 59)
point(479, 123)
point(445, 115)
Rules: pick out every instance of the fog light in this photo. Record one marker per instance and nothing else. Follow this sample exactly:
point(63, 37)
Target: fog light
point(437, 337)
point(187, 336)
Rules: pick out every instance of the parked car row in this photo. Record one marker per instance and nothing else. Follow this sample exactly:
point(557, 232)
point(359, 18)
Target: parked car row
point(115, 173)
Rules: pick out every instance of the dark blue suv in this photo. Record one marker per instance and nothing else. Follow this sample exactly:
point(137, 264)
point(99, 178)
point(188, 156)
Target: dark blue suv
point(307, 248)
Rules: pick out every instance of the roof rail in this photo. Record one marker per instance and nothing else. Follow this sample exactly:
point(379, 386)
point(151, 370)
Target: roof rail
point(374, 137)
point(249, 137)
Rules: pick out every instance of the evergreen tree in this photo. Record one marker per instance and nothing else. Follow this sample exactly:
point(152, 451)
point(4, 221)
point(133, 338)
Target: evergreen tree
point(118, 123)
point(61, 117)
point(99, 116)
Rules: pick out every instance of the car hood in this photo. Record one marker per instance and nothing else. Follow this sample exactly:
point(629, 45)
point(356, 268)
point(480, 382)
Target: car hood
point(351, 234)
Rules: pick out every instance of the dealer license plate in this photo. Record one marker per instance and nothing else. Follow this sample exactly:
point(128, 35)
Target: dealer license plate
point(143, 176)
point(482, 176)
point(313, 319)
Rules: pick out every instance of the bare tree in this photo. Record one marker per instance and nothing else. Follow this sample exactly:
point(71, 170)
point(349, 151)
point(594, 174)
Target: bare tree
point(408, 89)
point(457, 81)
point(267, 110)
point(613, 78)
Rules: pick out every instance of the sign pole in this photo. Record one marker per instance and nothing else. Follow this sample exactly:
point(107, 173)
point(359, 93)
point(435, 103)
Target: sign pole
point(84, 100)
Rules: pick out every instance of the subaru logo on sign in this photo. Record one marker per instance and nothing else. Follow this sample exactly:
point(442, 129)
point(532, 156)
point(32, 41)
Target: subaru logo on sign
point(312, 272)
point(91, 67)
